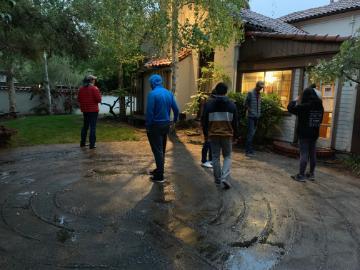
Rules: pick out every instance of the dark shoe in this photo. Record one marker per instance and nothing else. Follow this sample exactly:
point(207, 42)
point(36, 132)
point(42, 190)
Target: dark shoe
point(153, 172)
point(250, 154)
point(83, 145)
point(157, 179)
point(226, 185)
point(310, 176)
point(92, 147)
point(298, 177)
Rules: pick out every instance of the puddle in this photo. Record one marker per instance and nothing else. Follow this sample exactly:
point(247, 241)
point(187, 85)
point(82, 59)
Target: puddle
point(26, 193)
point(4, 175)
point(63, 235)
point(259, 257)
point(27, 181)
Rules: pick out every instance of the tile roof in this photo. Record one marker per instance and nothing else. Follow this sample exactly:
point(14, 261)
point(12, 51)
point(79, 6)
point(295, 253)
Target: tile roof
point(333, 8)
point(262, 23)
point(300, 37)
point(166, 62)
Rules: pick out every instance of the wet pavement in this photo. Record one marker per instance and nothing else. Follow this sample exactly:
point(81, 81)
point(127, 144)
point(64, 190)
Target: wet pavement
point(63, 207)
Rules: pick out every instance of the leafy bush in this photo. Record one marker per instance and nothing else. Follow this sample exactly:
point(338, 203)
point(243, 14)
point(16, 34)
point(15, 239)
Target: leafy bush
point(211, 75)
point(353, 162)
point(271, 114)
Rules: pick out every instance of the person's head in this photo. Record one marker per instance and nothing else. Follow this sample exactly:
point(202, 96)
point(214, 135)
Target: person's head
point(155, 80)
point(309, 96)
point(89, 79)
point(259, 86)
point(221, 89)
point(313, 85)
point(92, 78)
point(213, 92)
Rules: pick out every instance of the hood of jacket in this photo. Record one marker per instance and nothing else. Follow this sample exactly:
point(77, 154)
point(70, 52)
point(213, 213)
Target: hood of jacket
point(155, 80)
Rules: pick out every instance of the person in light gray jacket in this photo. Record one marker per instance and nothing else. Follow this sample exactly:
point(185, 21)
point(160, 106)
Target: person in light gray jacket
point(253, 107)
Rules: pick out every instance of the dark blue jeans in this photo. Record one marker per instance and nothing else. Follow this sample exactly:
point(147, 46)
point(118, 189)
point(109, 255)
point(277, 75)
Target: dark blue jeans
point(307, 153)
point(204, 152)
point(157, 135)
point(252, 126)
point(90, 119)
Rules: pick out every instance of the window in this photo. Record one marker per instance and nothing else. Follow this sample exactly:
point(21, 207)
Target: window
point(278, 82)
point(327, 91)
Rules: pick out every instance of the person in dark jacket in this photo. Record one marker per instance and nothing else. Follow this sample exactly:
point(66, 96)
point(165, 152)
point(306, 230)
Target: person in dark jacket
point(309, 110)
point(206, 149)
point(220, 124)
point(160, 102)
point(89, 98)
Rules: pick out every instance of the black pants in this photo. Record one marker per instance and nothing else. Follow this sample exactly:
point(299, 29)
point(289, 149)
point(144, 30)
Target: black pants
point(204, 152)
point(90, 119)
point(307, 152)
point(157, 135)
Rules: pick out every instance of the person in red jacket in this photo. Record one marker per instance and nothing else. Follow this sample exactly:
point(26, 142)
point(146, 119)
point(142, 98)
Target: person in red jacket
point(89, 98)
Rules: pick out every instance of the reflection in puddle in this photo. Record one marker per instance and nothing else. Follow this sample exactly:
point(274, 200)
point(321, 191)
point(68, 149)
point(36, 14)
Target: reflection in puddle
point(27, 193)
point(259, 257)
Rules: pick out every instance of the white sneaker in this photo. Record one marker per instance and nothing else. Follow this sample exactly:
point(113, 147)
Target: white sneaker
point(207, 164)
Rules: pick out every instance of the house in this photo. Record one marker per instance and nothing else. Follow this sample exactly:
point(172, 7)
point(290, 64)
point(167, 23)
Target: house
point(279, 51)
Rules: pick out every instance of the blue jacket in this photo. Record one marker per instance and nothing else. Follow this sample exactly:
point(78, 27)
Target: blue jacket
point(160, 101)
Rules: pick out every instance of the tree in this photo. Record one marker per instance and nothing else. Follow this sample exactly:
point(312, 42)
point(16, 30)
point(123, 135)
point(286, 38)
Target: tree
point(16, 40)
point(345, 64)
point(37, 27)
point(5, 17)
point(119, 28)
point(211, 24)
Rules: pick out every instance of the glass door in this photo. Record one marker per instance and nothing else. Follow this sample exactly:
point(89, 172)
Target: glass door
point(328, 98)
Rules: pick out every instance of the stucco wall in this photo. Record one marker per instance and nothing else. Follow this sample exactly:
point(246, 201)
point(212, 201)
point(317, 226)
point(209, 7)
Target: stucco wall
point(227, 58)
point(186, 84)
point(344, 24)
point(23, 103)
point(25, 106)
point(186, 81)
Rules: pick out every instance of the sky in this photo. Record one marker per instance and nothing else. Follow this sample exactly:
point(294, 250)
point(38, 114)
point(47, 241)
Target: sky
point(278, 8)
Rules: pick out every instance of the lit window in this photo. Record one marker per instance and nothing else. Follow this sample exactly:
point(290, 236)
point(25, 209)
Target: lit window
point(327, 91)
point(278, 82)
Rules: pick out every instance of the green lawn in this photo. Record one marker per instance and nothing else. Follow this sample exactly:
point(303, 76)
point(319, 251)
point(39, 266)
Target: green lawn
point(58, 129)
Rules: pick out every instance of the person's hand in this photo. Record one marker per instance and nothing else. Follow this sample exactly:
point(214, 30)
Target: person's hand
point(297, 99)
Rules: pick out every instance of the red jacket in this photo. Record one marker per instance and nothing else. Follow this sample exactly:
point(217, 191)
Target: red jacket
point(89, 97)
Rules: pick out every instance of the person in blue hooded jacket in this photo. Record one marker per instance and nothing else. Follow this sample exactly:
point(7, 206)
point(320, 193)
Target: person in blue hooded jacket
point(160, 102)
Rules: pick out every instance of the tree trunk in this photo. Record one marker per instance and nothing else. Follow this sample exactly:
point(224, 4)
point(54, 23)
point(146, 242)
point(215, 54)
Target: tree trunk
point(47, 84)
point(174, 44)
point(122, 101)
point(11, 88)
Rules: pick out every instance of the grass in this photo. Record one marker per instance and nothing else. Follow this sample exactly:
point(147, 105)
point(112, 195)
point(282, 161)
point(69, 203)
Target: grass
point(60, 129)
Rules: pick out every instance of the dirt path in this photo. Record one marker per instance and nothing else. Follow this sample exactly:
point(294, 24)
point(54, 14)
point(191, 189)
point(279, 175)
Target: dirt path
point(67, 208)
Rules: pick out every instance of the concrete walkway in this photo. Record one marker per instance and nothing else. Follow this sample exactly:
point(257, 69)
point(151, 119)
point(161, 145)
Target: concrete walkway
point(63, 207)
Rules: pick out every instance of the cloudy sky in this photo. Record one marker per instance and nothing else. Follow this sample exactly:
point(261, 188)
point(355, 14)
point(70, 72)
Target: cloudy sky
point(277, 8)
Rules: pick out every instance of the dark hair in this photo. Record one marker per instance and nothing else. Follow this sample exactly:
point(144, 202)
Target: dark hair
point(221, 89)
point(86, 81)
point(313, 85)
point(309, 96)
